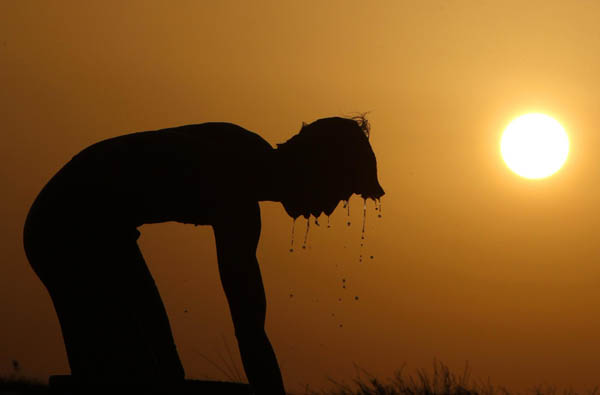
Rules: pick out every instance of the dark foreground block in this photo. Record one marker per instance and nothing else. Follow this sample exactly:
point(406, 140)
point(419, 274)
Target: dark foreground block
point(66, 385)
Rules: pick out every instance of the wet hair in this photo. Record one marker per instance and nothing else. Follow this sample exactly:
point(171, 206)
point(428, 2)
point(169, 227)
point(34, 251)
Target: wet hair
point(363, 123)
point(332, 155)
point(325, 129)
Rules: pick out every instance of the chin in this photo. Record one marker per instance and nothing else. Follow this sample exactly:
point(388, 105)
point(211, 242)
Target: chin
point(292, 211)
point(317, 213)
point(296, 211)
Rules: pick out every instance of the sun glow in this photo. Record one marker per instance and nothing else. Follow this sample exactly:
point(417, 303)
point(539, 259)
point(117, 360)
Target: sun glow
point(534, 146)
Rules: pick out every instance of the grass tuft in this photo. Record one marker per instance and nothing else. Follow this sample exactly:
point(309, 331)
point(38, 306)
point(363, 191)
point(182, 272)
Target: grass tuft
point(21, 385)
point(440, 382)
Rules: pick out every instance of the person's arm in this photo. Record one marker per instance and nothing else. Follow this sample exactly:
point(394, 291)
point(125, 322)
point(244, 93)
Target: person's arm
point(237, 233)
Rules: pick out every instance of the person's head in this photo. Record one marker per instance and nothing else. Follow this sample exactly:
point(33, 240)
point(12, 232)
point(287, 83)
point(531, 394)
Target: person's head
point(328, 161)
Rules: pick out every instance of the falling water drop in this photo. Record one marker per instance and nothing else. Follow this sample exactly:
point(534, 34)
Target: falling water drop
point(379, 215)
point(347, 205)
point(360, 258)
point(328, 223)
point(292, 245)
point(362, 235)
point(356, 298)
point(306, 234)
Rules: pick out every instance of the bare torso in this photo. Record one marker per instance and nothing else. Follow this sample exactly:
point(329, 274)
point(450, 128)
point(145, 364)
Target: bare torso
point(185, 174)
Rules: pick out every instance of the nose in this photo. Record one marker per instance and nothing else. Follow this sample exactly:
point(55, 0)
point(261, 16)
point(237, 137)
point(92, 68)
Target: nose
point(379, 192)
point(374, 192)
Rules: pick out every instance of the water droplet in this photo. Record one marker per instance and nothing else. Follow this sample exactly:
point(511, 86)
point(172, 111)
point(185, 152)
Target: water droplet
point(185, 311)
point(328, 223)
point(360, 258)
point(356, 298)
point(341, 325)
point(317, 222)
point(306, 234)
point(333, 314)
point(371, 256)
point(379, 201)
point(345, 203)
point(293, 226)
point(362, 235)
point(344, 286)
point(343, 280)
point(291, 295)
point(340, 299)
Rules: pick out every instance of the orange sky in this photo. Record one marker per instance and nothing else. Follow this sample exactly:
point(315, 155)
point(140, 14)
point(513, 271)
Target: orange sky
point(470, 261)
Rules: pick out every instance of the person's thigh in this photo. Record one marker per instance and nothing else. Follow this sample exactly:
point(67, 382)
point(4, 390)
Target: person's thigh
point(113, 321)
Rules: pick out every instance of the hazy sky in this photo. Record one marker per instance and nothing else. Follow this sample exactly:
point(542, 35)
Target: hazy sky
point(470, 262)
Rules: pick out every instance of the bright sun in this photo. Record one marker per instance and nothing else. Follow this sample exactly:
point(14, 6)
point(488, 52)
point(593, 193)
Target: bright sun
point(534, 146)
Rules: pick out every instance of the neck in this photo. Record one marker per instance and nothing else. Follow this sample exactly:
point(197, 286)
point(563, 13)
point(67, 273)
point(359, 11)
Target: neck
point(273, 181)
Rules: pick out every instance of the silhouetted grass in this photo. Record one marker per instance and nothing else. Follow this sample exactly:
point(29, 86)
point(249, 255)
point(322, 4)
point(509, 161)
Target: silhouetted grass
point(21, 385)
point(441, 381)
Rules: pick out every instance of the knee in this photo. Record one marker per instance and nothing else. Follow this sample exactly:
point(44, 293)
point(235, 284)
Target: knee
point(28, 235)
point(32, 241)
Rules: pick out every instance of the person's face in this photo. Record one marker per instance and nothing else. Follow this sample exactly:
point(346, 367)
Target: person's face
point(323, 174)
point(325, 189)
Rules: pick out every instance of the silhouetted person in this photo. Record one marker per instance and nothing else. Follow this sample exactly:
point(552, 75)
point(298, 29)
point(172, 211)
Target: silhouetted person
point(80, 235)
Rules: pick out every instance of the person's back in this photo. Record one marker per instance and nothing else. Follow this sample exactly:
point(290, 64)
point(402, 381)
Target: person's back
point(176, 174)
